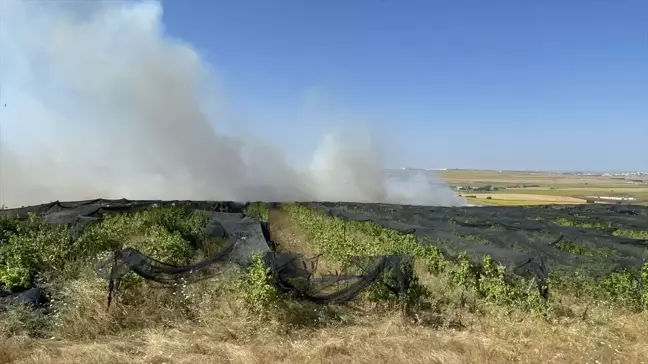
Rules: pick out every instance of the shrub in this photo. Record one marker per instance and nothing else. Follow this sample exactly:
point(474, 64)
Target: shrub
point(257, 210)
point(169, 234)
point(260, 295)
point(28, 247)
point(621, 287)
point(31, 247)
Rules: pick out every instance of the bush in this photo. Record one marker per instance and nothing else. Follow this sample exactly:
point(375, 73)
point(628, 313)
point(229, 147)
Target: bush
point(260, 295)
point(28, 247)
point(257, 210)
point(622, 288)
point(31, 247)
point(169, 234)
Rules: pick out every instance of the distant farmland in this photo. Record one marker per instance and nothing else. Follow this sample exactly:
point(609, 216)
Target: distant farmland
point(548, 188)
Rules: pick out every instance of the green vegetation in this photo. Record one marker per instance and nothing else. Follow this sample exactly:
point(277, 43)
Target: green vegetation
point(578, 249)
point(477, 239)
point(623, 288)
point(30, 245)
point(240, 308)
point(30, 249)
point(257, 290)
point(632, 234)
point(257, 210)
point(340, 239)
point(585, 224)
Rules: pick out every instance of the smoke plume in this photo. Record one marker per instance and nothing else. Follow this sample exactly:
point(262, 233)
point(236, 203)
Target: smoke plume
point(101, 102)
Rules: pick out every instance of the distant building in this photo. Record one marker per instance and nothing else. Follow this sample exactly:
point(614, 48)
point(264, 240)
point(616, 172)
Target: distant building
point(612, 198)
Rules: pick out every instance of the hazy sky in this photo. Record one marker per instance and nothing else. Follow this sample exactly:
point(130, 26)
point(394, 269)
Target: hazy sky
point(104, 99)
point(469, 84)
point(550, 84)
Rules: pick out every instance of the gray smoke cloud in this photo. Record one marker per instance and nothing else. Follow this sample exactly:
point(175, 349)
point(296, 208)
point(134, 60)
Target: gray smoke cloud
point(102, 103)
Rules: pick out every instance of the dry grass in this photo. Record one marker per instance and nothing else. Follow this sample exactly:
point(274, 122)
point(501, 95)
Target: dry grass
point(495, 202)
point(386, 341)
point(230, 336)
point(542, 178)
point(529, 198)
point(289, 238)
point(286, 235)
point(550, 184)
point(207, 323)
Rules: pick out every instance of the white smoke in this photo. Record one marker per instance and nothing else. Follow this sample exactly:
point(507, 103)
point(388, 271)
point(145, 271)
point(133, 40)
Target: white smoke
point(102, 103)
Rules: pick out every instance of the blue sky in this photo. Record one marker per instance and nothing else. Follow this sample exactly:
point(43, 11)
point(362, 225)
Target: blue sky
point(457, 84)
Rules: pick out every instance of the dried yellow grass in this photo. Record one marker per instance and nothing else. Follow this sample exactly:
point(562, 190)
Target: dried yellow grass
point(620, 339)
point(530, 197)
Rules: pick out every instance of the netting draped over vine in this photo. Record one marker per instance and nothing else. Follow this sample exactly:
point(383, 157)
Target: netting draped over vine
point(245, 237)
point(591, 240)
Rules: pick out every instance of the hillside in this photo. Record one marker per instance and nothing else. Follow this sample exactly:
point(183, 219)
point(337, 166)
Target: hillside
point(189, 281)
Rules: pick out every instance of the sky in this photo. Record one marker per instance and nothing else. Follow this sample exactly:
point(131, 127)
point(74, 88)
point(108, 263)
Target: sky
point(290, 100)
point(550, 85)
point(105, 100)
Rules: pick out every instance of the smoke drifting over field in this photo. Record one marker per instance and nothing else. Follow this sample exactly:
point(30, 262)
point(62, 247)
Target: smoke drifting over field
point(102, 103)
